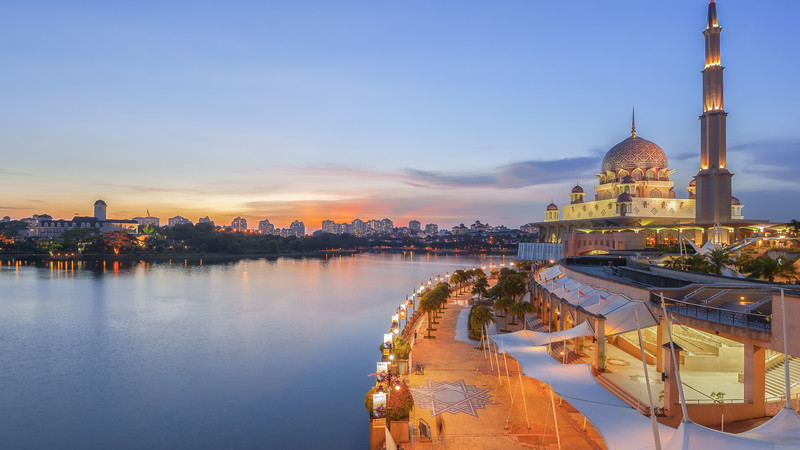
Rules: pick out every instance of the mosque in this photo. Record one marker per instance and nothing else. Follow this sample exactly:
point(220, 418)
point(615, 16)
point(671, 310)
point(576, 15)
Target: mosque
point(635, 206)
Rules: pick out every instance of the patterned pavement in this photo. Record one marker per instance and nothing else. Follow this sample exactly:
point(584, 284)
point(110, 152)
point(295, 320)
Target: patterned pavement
point(451, 397)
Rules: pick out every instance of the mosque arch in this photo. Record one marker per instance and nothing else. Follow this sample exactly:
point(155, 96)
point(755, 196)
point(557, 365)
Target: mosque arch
point(637, 174)
point(651, 174)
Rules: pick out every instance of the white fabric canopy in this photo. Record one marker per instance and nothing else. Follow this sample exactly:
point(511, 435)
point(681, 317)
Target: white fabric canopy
point(691, 436)
point(549, 273)
point(783, 428)
point(621, 426)
point(617, 309)
point(538, 338)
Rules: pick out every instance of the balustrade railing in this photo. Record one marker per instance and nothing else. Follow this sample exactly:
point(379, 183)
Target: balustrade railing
point(743, 319)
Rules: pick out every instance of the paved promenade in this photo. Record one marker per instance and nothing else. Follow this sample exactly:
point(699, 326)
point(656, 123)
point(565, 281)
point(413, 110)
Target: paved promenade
point(461, 394)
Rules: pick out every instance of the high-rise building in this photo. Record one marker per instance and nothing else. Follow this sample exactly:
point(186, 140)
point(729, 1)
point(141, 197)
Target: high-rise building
point(358, 228)
point(414, 225)
point(205, 220)
point(239, 224)
point(329, 226)
point(178, 220)
point(149, 220)
point(297, 228)
point(264, 227)
point(431, 228)
point(713, 181)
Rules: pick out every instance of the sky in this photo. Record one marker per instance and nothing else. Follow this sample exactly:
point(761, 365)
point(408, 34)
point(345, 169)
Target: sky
point(444, 112)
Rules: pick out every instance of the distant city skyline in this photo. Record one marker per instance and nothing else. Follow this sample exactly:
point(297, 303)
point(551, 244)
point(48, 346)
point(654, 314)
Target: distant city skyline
point(442, 113)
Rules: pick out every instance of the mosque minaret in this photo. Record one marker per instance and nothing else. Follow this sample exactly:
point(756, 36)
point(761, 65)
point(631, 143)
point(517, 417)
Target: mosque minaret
point(713, 181)
point(635, 204)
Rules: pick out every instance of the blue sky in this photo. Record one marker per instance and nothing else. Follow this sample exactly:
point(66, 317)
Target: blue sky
point(444, 112)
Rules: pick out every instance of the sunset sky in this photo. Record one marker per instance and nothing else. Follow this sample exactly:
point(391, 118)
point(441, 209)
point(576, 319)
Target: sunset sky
point(443, 111)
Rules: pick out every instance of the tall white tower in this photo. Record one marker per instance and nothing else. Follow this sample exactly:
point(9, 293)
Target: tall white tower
point(713, 191)
point(100, 210)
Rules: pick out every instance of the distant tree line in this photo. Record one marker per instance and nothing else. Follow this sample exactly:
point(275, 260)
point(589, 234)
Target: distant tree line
point(202, 238)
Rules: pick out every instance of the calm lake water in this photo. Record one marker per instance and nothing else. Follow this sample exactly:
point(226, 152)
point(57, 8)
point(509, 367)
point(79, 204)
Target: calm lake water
point(251, 354)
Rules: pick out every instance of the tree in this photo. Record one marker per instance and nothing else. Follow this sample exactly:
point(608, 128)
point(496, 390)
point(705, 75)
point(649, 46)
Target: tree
point(767, 268)
point(503, 304)
point(117, 240)
point(520, 309)
point(480, 287)
point(79, 239)
point(479, 317)
point(429, 305)
point(48, 245)
point(514, 285)
point(716, 260)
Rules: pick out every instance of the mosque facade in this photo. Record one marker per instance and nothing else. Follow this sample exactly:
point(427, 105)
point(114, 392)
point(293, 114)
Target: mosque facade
point(635, 197)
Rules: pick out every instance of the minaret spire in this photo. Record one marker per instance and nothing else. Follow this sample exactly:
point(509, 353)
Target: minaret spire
point(713, 189)
point(633, 122)
point(712, 15)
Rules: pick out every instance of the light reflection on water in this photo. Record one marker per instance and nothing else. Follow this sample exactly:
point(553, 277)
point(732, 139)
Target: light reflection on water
point(249, 354)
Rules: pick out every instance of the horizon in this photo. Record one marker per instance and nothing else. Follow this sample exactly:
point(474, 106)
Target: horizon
point(445, 113)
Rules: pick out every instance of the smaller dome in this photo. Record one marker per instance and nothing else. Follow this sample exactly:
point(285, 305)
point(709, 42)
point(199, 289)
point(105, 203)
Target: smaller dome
point(552, 207)
point(625, 197)
point(627, 179)
point(100, 202)
point(735, 201)
point(693, 183)
point(577, 190)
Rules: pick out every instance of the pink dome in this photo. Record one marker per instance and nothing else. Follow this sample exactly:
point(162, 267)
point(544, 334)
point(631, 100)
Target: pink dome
point(634, 152)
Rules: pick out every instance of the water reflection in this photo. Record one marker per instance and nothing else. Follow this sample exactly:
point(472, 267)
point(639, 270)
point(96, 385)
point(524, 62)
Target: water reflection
point(197, 354)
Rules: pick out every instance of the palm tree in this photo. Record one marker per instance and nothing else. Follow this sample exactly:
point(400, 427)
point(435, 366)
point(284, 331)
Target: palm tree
point(481, 316)
point(515, 285)
point(429, 305)
point(716, 260)
point(503, 304)
point(520, 309)
point(480, 287)
point(767, 268)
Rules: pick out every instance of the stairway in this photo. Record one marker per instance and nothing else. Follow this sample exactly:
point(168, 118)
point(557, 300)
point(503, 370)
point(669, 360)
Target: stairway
point(774, 378)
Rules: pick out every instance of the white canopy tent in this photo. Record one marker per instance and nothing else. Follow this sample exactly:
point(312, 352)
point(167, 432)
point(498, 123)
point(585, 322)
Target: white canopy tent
point(548, 273)
point(617, 309)
point(621, 426)
point(783, 428)
point(539, 338)
point(690, 435)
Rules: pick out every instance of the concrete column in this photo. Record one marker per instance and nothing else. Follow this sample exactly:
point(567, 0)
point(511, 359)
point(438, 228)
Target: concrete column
point(599, 354)
point(754, 371)
point(672, 399)
point(661, 338)
point(562, 322)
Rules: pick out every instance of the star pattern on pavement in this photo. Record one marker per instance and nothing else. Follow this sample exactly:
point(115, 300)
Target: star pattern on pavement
point(453, 397)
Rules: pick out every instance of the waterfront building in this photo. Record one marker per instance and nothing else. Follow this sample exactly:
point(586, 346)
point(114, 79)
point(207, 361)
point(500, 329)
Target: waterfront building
point(43, 225)
point(358, 227)
point(297, 228)
point(459, 230)
point(414, 226)
point(178, 220)
point(635, 206)
point(205, 220)
point(239, 224)
point(431, 228)
point(264, 227)
point(149, 220)
point(728, 330)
